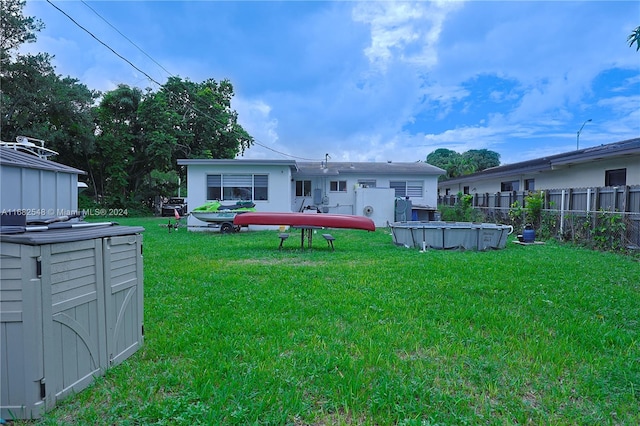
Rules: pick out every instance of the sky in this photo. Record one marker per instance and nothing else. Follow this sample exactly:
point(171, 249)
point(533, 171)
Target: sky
point(373, 80)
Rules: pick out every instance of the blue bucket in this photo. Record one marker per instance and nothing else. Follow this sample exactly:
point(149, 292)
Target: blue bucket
point(529, 234)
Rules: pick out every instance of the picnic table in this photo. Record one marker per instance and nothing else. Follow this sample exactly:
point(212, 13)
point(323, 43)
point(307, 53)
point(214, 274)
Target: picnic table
point(306, 232)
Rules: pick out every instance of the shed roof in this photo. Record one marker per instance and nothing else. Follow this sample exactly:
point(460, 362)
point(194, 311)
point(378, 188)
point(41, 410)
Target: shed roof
point(11, 157)
point(69, 234)
point(554, 162)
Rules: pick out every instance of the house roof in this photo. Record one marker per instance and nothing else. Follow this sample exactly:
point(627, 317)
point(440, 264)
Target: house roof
point(11, 157)
point(332, 168)
point(235, 162)
point(555, 162)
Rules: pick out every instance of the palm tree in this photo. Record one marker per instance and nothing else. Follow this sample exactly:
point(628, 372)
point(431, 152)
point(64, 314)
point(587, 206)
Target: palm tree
point(459, 166)
point(634, 37)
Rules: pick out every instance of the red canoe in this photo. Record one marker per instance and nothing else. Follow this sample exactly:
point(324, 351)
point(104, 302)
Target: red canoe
point(322, 220)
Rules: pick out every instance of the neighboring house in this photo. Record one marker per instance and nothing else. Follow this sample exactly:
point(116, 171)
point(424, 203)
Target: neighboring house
point(615, 164)
point(367, 189)
point(41, 188)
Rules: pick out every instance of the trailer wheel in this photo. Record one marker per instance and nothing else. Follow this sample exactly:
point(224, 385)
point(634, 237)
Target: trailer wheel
point(237, 228)
point(226, 228)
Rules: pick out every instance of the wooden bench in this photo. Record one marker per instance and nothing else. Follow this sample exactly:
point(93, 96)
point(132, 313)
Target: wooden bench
point(330, 239)
point(283, 236)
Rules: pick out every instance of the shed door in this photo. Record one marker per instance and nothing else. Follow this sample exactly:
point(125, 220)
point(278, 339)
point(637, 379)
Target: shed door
point(21, 334)
point(123, 296)
point(76, 350)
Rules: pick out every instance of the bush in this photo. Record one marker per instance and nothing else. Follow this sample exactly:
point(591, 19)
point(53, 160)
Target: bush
point(462, 211)
point(123, 206)
point(530, 212)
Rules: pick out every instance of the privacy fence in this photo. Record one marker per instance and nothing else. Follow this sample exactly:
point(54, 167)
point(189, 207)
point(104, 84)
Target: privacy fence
point(605, 217)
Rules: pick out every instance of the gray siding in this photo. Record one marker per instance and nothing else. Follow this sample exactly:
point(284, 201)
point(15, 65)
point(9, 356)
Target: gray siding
point(43, 188)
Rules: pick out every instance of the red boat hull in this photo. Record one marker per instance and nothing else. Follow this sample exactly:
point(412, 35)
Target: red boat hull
point(321, 220)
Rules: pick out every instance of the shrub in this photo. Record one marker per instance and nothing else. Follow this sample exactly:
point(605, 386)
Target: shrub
point(530, 212)
point(462, 211)
point(534, 202)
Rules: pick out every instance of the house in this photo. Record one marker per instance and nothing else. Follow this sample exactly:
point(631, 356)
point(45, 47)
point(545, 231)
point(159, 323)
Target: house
point(357, 188)
point(611, 165)
point(35, 185)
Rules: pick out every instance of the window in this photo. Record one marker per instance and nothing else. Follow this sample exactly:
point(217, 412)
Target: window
point(367, 183)
point(261, 187)
point(407, 188)
point(303, 188)
point(465, 190)
point(214, 187)
point(234, 187)
point(400, 187)
point(414, 189)
point(616, 177)
point(338, 186)
point(513, 185)
point(529, 185)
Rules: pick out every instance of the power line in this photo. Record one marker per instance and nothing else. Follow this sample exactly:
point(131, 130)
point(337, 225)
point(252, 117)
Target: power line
point(187, 101)
point(104, 44)
point(282, 153)
point(127, 38)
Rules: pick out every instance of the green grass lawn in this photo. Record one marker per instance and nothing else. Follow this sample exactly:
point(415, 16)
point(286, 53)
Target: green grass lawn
point(239, 332)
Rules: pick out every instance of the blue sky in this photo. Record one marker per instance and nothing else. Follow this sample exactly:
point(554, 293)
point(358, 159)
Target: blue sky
point(375, 80)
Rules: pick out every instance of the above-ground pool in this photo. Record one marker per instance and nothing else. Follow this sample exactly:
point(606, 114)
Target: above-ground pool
point(450, 235)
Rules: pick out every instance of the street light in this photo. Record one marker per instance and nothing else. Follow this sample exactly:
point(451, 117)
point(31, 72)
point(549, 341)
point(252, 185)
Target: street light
point(578, 136)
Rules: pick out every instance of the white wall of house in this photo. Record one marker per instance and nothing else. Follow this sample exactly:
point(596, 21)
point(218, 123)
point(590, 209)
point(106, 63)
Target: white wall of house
point(589, 174)
point(344, 202)
point(279, 195)
point(574, 176)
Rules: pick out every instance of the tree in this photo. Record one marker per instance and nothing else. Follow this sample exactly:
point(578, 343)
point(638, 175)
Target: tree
point(159, 140)
point(140, 137)
point(460, 166)
point(25, 85)
point(117, 157)
point(70, 126)
point(36, 102)
point(634, 37)
point(442, 157)
point(456, 164)
point(482, 158)
point(209, 127)
point(15, 28)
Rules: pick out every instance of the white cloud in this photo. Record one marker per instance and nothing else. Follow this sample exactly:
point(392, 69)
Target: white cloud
point(255, 117)
point(403, 31)
point(379, 80)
